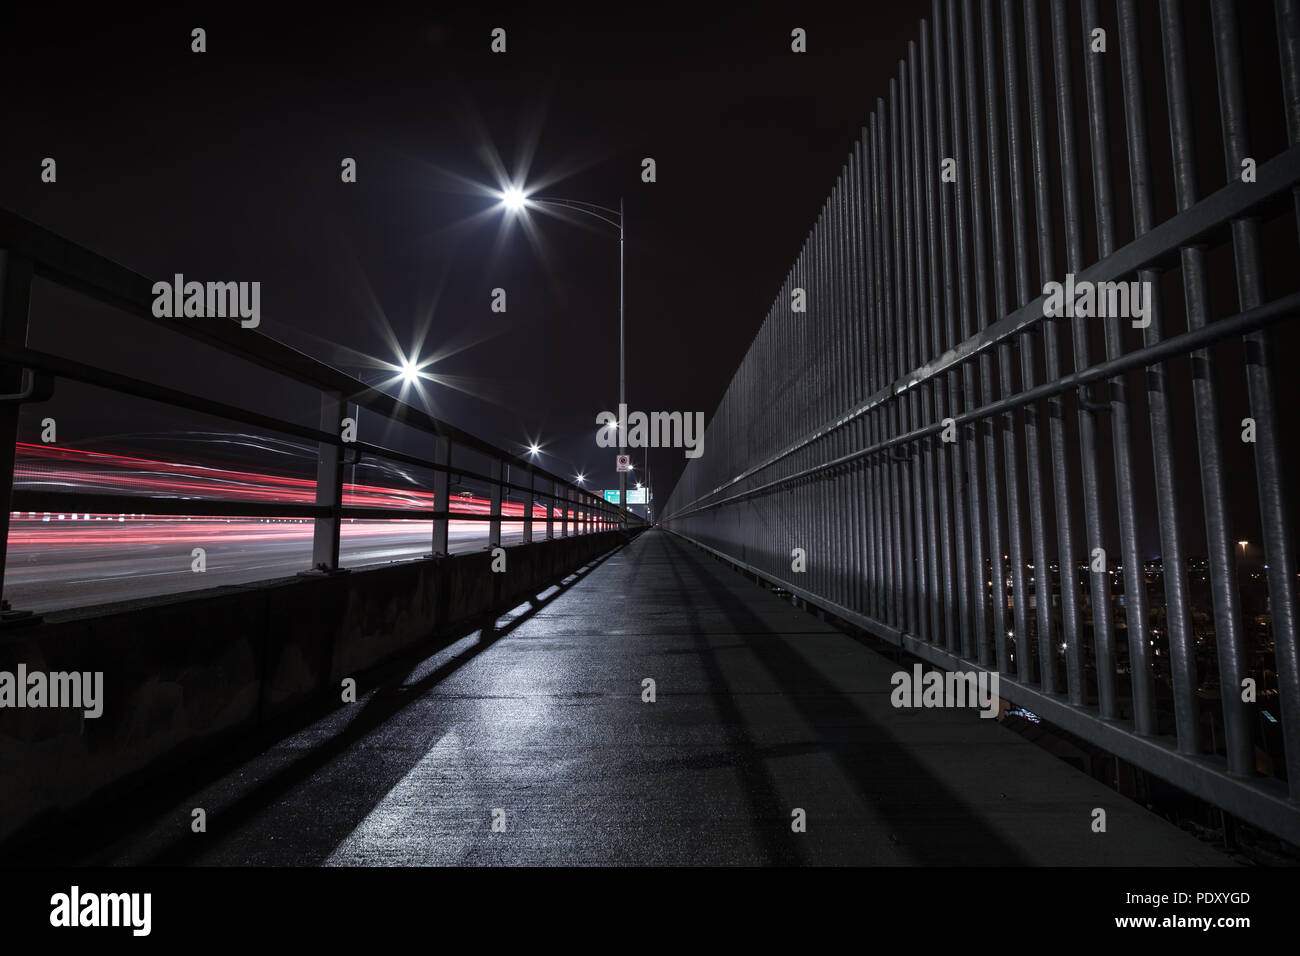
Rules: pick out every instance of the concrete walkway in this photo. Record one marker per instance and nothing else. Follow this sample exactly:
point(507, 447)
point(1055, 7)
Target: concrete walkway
point(760, 710)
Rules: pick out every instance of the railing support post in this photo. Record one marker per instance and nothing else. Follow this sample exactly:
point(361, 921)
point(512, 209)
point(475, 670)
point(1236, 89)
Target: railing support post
point(15, 301)
point(329, 486)
point(550, 510)
point(529, 501)
point(494, 525)
point(441, 494)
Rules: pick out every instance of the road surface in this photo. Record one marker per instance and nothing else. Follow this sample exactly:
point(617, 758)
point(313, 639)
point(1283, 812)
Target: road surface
point(84, 562)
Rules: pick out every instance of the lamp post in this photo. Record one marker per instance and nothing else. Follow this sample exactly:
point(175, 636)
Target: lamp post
point(516, 200)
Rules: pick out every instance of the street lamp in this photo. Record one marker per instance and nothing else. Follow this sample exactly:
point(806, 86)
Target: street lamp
point(516, 200)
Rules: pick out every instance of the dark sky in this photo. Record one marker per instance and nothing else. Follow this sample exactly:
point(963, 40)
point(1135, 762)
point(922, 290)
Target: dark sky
point(225, 165)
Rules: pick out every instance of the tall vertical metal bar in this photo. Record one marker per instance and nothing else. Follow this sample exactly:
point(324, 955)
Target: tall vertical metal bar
point(880, 541)
point(1067, 556)
point(972, 638)
point(820, 314)
point(1007, 423)
point(1274, 511)
point(805, 384)
point(1042, 592)
point(833, 519)
point(945, 72)
point(843, 515)
point(858, 347)
point(798, 332)
point(786, 328)
point(1102, 631)
point(889, 218)
point(898, 363)
point(830, 518)
point(811, 370)
point(1163, 457)
point(817, 369)
point(1286, 645)
point(1135, 593)
point(940, 498)
point(996, 571)
point(853, 351)
point(1223, 565)
point(855, 345)
point(924, 172)
point(906, 168)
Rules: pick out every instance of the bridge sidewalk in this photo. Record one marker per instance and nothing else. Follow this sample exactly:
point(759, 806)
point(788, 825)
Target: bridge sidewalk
point(760, 709)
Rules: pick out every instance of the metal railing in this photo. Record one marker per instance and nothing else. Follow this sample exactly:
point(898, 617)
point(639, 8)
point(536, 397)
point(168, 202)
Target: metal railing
point(919, 433)
point(28, 251)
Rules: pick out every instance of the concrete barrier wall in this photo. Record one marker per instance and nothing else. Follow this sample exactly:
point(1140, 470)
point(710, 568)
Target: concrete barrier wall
point(185, 674)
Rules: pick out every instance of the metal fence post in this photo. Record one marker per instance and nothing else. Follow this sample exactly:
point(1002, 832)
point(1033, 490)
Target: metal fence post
point(550, 510)
point(494, 523)
point(528, 509)
point(441, 493)
point(15, 302)
point(329, 486)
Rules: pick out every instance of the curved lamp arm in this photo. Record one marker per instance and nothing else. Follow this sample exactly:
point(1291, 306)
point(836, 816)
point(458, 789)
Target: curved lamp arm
point(603, 213)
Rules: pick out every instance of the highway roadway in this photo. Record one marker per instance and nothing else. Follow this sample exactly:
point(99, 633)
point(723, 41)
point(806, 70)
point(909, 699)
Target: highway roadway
point(59, 561)
point(71, 563)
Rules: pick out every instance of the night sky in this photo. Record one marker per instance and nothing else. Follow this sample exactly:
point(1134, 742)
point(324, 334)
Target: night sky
point(225, 165)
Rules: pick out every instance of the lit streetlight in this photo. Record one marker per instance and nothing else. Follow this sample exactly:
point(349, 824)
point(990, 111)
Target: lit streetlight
point(516, 201)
